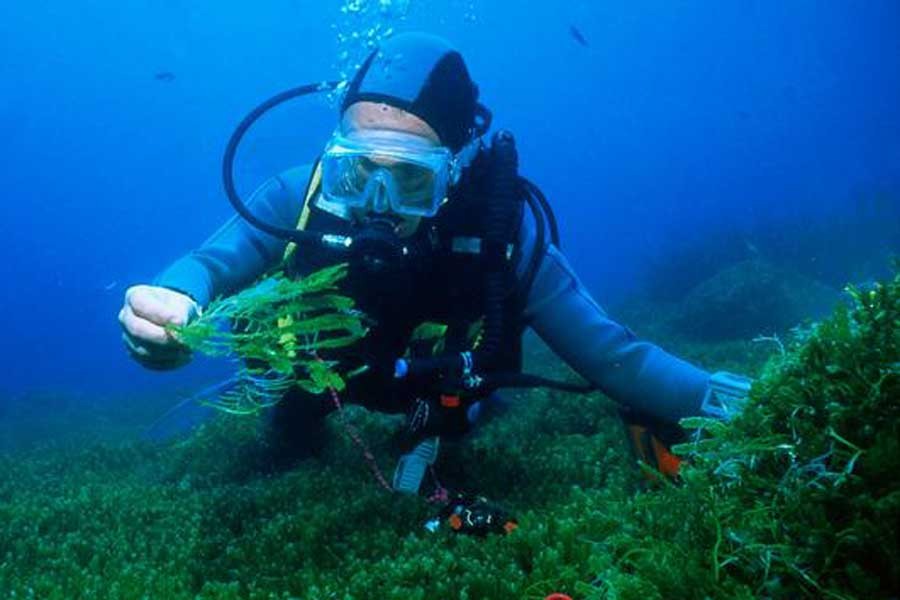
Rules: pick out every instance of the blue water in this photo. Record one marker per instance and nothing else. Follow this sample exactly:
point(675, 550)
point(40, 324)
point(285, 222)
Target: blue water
point(675, 121)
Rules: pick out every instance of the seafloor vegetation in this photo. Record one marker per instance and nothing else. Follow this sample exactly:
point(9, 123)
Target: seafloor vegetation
point(797, 498)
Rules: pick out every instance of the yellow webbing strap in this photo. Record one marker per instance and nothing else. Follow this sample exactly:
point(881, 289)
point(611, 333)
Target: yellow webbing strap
point(311, 190)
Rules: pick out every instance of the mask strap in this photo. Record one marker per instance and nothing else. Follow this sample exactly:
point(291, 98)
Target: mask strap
point(464, 158)
point(483, 119)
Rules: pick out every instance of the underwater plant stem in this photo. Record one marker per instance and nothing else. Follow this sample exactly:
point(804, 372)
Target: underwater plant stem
point(715, 550)
point(633, 552)
point(772, 339)
point(844, 441)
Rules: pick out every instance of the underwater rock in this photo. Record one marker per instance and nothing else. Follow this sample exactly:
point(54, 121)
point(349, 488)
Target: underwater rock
point(752, 298)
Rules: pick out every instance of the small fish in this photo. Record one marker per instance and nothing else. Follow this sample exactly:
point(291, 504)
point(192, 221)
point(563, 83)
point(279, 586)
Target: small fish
point(110, 286)
point(165, 76)
point(578, 36)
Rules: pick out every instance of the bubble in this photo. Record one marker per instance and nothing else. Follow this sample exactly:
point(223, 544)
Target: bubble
point(361, 25)
point(353, 6)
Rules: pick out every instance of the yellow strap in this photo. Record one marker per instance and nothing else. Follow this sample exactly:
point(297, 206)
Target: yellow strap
point(304, 213)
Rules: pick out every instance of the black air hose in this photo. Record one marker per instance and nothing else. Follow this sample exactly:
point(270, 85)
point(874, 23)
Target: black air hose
point(289, 234)
point(502, 207)
point(537, 194)
point(537, 252)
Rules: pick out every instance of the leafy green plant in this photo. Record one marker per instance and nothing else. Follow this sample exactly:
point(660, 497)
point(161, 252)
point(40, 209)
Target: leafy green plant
point(281, 330)
point(797, 497)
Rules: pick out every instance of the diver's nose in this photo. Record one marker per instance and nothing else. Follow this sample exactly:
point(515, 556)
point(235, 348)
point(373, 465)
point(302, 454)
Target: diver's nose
point(380, 202)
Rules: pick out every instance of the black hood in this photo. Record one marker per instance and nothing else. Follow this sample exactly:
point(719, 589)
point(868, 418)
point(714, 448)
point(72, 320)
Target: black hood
point(423, 75)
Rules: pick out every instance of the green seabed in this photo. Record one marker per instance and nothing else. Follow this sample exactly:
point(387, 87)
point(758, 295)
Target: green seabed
point(798, 498)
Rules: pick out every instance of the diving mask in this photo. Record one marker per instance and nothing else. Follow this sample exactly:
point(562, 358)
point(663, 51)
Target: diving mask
point(393, 171)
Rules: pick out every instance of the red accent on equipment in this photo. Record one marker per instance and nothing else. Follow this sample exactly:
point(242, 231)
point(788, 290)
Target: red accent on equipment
point(450, 401)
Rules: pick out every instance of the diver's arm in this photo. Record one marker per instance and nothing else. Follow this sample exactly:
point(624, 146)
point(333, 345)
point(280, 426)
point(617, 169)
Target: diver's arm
point(237, 253)
point(632, 372)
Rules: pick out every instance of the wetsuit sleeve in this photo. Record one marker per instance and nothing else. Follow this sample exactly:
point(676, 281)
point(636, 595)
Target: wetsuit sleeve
point(237, 254)
point(634, 373)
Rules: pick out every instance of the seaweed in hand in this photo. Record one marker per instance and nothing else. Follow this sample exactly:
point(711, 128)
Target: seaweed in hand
point(282, 331)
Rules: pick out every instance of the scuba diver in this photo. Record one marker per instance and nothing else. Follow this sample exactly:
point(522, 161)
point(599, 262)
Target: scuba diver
point(437, 225)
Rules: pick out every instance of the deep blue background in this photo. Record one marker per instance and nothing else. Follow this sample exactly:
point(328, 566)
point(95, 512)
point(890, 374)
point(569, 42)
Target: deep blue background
point(677, 118)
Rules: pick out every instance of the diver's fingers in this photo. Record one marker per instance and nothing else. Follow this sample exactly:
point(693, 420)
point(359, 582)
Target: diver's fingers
point(136, 349)
point(152, 356)
point(159, 305)
point(142, 329)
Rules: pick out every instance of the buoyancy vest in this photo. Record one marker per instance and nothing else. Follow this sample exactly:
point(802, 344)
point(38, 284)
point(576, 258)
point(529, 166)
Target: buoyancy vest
point(446, 286)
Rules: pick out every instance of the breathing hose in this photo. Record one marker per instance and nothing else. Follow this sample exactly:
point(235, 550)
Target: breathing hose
point(501, 210)
point(293, 235)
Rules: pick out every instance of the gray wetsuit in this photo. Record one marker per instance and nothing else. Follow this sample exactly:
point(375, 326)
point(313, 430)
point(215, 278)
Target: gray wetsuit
point(634, 373)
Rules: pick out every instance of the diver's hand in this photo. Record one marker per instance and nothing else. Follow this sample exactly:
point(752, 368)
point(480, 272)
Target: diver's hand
point(147, 310)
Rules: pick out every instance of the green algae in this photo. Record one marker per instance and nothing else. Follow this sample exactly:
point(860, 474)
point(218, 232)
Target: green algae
point(797, 498)
point(281, 330)
point(195, 520)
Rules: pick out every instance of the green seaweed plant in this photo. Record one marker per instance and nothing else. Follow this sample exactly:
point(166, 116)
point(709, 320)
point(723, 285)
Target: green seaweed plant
point(799, 496)
point(282, 331)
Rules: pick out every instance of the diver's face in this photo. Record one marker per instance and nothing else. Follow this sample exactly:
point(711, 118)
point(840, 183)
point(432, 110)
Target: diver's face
point(374, 117)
